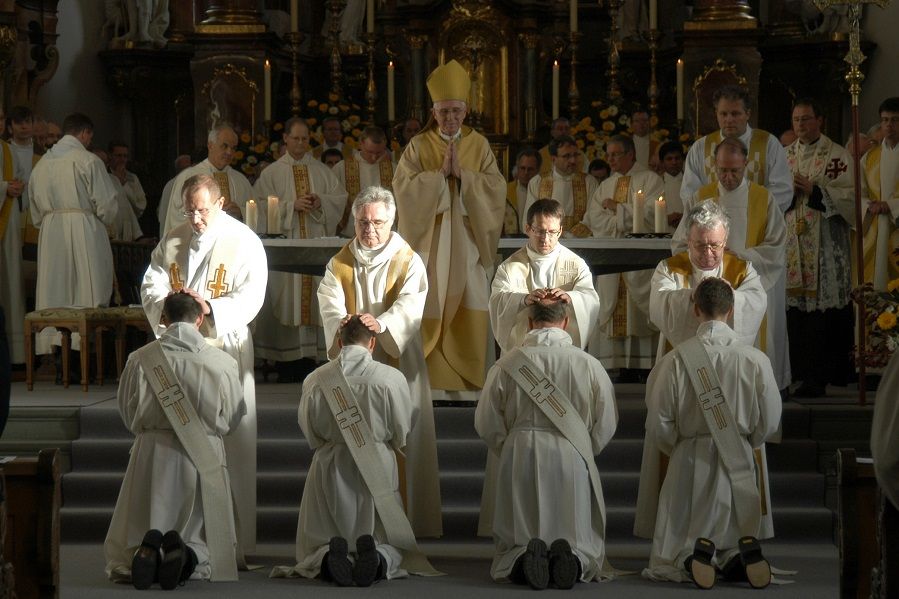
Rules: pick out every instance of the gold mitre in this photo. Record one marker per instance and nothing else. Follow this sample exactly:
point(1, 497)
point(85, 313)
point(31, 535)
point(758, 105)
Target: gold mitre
point(449, 82)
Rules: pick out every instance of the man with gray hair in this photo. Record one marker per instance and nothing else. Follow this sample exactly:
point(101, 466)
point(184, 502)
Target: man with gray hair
point(221, 264)
point(370, 165)
point(236, 189)
point(378, 276)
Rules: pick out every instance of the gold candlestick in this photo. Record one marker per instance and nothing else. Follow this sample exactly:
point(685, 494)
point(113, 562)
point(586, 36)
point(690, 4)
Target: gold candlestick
point(294, 38)
point(654, 36)
point(371, 91)
point(335, 6)
point(573, 95)
point(614, 58)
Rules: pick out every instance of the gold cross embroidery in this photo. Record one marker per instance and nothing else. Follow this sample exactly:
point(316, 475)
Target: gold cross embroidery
point(348, 418)
point(175, 277)
point(217, 285)
point(712, 399)
point(567, 273)
point(542, 390)
point(171, 395)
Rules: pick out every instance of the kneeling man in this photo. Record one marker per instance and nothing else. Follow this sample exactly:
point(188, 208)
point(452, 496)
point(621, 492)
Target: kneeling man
point(178, 396)
point(710, 402)
point(546, 409)
point(354, 413)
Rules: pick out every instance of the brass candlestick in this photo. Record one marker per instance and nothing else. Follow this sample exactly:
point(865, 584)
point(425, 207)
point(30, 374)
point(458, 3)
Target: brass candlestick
point(573, 95)
point(614, 58)
point(371, 91)
point(294, 38)
point(335, 6)
point(654, 36)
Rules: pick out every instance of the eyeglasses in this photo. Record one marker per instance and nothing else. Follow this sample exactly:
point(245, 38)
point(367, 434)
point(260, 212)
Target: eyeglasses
point(375, 224)
point(196, 213)
point(705, 247)
point(545, 232)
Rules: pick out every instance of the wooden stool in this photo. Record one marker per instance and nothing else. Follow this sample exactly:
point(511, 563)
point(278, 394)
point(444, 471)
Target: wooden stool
point(127, 316)
point(85, 322)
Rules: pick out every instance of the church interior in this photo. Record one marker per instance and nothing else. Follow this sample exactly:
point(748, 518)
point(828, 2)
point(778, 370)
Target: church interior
point(158, 74)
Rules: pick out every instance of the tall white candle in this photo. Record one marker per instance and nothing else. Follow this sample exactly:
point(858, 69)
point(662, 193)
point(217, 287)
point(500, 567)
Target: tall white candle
point(294, 16)
point(391, 92)
point(274, 216)
point(661, 216)
point(639, 203)
point(555, 89)
point(680, 89)
point(252, 215)
point(370, 16)
point(572, 17)
point(267, 78)
point(653, 14)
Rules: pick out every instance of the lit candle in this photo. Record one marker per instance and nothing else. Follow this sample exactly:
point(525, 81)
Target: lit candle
point(391, 93)
point(653, 15)
point(268, 90)
point(274, 216)
point(572, 18)
point(639, 203)
point(680, 89)
point(661, 215)
point(294, 16)
point(555, 89)
point(252, 215)
point(370, 16)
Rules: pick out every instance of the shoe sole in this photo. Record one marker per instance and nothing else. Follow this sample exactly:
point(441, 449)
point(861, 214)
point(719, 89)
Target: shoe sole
point(758, 571)
point(563, 565)
point(535, 565)
point(143, 569)
point(365, 571)
point(175, 557)
point(339, 567)
point(701, 569)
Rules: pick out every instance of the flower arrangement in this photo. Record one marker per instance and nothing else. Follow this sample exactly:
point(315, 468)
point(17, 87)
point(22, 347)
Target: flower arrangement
point(252, 153)
point(348, 113)
point(881, 311)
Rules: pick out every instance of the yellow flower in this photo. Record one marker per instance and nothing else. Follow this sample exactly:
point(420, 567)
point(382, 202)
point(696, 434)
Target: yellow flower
point(356, 133)
point(260, 147)
point(245, 137)
point(580, 144)
point(608, 126)
point(238, 155)
point(333, 110)
point(595, 103)
point(333, 97)
point(604, 114)
point(312, 103)
point(684, 137)
point(279, 126)
point(613, 110)
point(585, 122)
point(893, 285)
point(886, 321)
point(311, 122)
point(354, 120)
point(591, 136)
point(323, 107)
point(344, 108)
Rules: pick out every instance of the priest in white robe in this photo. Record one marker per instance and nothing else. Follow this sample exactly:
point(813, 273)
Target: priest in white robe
point(369, 166)
point(222, 264)
point(527, 165)
point(12, 290)
point(378, 276)
point(450, 200)
point(766, 162)
point(565, 184)
point(161, 488)
point(646, 149)
point(671, 165)
point(697, 498)
point(336, 500)
point(310, 203)
point(541, 269)
point(72, 202)
point(758, 236)
point(126, 180)
point(544, 491)
point(237, 191)
point(625, 338)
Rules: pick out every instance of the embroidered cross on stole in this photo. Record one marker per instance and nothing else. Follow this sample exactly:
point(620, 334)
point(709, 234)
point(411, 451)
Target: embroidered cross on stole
point(175, 280)
point(221, 178)
point(171, 394)
point(571, 222)
point(217, 285)
point(354, 185)
point(302, 187)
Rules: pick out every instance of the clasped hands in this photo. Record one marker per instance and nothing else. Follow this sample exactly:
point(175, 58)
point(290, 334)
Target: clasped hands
point(307, 203)
point(451, 164)
point(546, 294)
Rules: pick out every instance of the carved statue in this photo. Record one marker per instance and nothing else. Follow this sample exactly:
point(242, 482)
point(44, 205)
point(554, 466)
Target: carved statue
point(115, 18)
point(147, 21)
point(832, 20)
point(350, 23)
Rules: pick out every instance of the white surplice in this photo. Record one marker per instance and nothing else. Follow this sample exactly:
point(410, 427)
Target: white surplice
point(239, 189)
point(543, 487)
point(161, 488)
point(400, 343)
point(369, 176)
point(636, 347)
point(12, 290)
point(526, 270)
point(696, 498)
point(127, 227)
point(225, 327)
point(673, 203)
point(336, 501)
point(72, 202)
point(288, 327)
point(767, 259)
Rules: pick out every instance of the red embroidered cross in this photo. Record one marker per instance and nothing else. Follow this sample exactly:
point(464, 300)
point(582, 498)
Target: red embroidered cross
point(835, 167)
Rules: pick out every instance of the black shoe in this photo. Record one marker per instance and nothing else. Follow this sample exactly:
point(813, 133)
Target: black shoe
point(758, 571)
point(535, 565)
point(808, 389)
point(699, 565)
point(145, 563)
point(336, 566)
point(564, 566)
point(174, 560)
point(370, 566)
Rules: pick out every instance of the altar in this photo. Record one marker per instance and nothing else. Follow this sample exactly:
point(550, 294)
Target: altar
point(309, 256)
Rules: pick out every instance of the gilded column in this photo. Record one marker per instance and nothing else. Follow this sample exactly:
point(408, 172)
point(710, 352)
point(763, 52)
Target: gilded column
point(417, 43)
point(233, 16)
point(530, 42)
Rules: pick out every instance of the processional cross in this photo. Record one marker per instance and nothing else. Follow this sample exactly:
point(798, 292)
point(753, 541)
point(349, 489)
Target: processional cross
point(854, 78)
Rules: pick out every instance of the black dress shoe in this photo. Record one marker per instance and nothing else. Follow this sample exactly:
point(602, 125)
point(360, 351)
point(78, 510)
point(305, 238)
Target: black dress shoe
point(758, 571)
point(564, 566)
point(336, 566)
point(699, 565)
point(535, 565)
point(175, 558)
point(145, 563)
point(370, 565)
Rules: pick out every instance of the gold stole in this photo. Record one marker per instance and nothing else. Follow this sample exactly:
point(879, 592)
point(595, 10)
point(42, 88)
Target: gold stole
point(7, 209)
point(343, 267)
point(756, 170)
point(221, 178)
point(621, 187)
point(511, 217)
point(870, 225)
point(570, 222)
point(756, 212)
point(354, 185)
point(734, 269)
point(302, 187)
point(619, 315)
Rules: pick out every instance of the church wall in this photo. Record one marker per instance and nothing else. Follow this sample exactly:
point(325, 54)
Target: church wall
point(79, 83)
point(880, 26)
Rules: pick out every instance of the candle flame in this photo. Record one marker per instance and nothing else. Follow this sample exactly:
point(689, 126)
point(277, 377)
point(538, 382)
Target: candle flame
point(267, 65)
point(390, 64)
point(555, 64)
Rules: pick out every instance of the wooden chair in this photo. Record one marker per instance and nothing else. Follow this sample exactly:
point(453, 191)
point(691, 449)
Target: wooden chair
point(713, 77)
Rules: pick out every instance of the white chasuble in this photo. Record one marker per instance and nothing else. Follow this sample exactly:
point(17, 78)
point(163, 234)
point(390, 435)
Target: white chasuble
point(239, 191)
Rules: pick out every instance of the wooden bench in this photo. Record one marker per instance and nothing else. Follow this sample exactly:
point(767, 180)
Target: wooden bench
point(31, 541)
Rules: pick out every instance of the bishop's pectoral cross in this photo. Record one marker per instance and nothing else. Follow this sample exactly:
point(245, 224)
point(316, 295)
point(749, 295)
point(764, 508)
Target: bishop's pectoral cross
point(217, 285)
point(347, 417)
point(543, 390)
point(171, 395)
